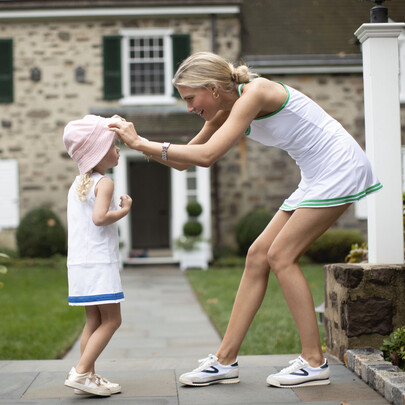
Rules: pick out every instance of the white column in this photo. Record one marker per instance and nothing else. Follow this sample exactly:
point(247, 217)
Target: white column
point(383, 139)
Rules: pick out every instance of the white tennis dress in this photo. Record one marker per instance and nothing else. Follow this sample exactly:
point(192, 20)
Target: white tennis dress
point(93, 256)
point(334, 168)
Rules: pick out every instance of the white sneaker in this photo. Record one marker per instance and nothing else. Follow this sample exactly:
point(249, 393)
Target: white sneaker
point(300, 374)
point(87, 382)
point(113, 387)
point(210, 372)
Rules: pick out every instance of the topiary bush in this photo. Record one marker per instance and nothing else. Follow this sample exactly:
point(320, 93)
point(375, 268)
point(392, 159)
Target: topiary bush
point(334, 245)
point(250, 227)
point(192, 228)
point(41, 234)
point(194, 209)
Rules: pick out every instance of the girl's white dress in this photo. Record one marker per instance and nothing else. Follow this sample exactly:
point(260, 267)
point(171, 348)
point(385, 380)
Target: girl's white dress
point(334, 168)
point(93, 255)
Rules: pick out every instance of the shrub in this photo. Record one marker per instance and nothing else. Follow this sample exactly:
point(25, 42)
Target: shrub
point(250, 227)
point(334, 245)
point(41, 234)
point(393, 348)
point(194, 209)
point(192, 228)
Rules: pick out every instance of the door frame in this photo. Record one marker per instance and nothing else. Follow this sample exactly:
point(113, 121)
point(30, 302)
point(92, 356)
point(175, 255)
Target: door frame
point(177, 214)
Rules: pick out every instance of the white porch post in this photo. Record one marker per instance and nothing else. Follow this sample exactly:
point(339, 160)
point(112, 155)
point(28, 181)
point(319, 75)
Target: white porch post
point(383, 139)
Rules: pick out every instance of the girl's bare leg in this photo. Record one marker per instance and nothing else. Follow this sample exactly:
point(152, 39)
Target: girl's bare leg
point(93, 321)
point(280, 246)
point(110, 321)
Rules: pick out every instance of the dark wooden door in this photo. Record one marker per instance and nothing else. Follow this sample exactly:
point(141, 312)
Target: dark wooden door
point(149, 185)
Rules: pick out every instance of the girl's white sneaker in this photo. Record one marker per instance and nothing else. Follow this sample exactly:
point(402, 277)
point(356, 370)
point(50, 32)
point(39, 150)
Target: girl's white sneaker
point(87, 382)
point(300, 374)
point(115, 388)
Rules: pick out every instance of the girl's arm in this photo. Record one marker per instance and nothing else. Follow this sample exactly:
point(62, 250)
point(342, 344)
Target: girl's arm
point(101, 212)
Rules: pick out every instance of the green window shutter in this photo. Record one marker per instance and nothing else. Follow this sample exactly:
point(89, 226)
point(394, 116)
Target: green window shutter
point(6, 71)
point(181, 50)
point(112, 67)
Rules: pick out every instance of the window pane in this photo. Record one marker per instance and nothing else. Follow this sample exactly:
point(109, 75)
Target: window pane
point(146, 66)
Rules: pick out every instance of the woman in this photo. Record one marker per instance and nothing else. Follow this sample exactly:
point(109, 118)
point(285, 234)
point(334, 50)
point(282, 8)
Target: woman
point(234, 103)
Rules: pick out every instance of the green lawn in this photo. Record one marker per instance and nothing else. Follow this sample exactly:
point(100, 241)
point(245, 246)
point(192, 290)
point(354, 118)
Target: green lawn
point(273, 330)
point(35, 319)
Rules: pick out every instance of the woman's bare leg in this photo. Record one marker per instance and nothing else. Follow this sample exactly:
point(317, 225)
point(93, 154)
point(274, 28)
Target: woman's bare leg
point(279, 246)
point(304, 227)
point(251, 290)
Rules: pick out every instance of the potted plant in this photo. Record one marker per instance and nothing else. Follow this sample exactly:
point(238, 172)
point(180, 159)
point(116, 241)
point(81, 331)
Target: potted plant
point(193, 249)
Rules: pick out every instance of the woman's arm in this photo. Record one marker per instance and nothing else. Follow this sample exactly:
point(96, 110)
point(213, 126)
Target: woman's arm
point(202, 137)
point(217, 139)
point(101, 212)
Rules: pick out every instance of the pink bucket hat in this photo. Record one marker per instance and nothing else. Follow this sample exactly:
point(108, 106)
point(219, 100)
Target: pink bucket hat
point(88, 140)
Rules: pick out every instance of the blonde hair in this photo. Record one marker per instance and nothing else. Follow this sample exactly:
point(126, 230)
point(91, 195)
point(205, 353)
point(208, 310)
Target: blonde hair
point(84, 183)
point(206, 69)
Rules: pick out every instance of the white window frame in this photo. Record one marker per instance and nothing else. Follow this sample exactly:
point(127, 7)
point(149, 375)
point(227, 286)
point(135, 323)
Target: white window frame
point(167, 97)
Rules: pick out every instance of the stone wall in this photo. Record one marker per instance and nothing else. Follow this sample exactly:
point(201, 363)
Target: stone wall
point(364, 303)
point(31, 127)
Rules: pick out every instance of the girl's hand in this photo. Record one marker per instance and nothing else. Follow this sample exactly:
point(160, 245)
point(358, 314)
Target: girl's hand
point(126, 132)
point(125, 202)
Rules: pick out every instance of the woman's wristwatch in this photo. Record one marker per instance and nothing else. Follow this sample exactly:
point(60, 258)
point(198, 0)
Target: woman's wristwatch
point(165, 147)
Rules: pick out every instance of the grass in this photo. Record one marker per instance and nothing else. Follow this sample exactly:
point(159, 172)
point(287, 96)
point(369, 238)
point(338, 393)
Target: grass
point(35, 319)
point(273, 330)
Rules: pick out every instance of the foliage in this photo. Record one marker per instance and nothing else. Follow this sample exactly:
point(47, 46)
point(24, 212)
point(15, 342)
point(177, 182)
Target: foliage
point(3, 269)
point(358, 254)
point(192, 228)
point(393, 348)
point(194, 209)
point(36, 320)
point(273, 330)
point(333, 245)
point(250, 227)
point(41, 234)
point(188, 242)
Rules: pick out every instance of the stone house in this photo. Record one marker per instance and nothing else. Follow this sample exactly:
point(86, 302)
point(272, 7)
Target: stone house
point(60, 60)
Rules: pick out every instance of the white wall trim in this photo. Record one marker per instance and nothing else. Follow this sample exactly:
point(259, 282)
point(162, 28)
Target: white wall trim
point(118, 12)
point(308, 70)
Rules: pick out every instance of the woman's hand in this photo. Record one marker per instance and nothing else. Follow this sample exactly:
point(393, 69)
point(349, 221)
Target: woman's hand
point(126, 132)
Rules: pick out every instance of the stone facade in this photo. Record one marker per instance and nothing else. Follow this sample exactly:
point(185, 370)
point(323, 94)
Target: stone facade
point(31, 127)
point(364, 303)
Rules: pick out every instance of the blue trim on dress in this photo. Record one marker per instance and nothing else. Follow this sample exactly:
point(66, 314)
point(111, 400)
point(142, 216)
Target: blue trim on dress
point(96, 298)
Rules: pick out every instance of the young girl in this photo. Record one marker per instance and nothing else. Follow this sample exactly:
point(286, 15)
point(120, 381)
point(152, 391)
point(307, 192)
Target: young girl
point(93, 257)
point(234, 103)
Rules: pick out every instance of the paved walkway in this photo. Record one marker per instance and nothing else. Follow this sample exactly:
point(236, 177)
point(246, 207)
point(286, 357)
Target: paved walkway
point(163, 334)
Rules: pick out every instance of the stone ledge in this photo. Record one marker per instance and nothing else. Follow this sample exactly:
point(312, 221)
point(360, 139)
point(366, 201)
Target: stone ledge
point(381, 375)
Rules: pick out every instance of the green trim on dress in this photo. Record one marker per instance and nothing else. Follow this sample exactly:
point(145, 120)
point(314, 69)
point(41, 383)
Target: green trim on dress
point(330, 202)
point(240, 87)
